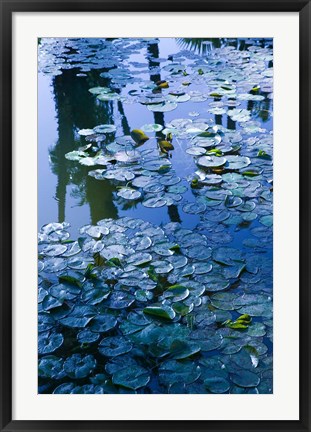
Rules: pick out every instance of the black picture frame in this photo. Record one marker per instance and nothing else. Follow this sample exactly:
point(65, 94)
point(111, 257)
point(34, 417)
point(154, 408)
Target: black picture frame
point(7, 8)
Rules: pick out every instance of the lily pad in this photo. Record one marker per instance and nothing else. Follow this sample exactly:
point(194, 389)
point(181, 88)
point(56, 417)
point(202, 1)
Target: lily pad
point(211, 161)
point(160, 311)
point(78, 366)
point(49, 342)
point(114, 346)
point(245, 378)
point(132, 377)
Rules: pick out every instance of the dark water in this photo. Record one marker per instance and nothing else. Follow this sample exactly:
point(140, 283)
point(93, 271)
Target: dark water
point(67, 193)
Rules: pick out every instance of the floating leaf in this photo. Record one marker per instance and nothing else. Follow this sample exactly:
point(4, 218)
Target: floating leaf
point(79, 317)
point(129, 194)
point(139, 136)
point(132, 377)
point(160, 311)
point(49, 342)
point(78, 366)
point(245, 378)
point(215, 382)
point(164, 107)
point(114, 346)
point(51, 367)
point(176, 293)
point(211, 161)
point(152, 127)
point(154, 202)
point(236, 162)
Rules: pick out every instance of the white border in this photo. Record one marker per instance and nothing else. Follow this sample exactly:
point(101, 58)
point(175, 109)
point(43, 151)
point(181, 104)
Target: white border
point(284, 403)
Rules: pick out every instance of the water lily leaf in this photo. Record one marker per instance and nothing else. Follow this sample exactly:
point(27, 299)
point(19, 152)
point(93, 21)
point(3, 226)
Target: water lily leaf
point(160, 311)
point(94, 231)
point(120, 300)
point(161, 267)
point(236, 162)
point(173, 371)
point(129, 194)
point(132, 377)
point(257, 329)
point(227, 256)
point(103, 323)
point(105, 128)
point(98, 90)
point(54, 250)
point(240, 115)
point(139, 258)
point(154, 202)
point(215, 382)
point(152, 127)
point(194, 208)
point(64, 291)
point(78, 366)
point(245, 378)
point(45, 322)
point(87, 336)
point(105, 97)
point(79, 317)
point(143, 295)
point(196, 151)
point(49, 342)
point(266, 220)
point(176, 293)
point(163, 107)
point(202, 267)
point(199, 252)
point(85, 132)
point(51, 367)
point(114, 346)
point(223, 300)
point(211, 161)
point(139, 136)
point(95, 295)
point(182, 309)
point(214, 281)
point(180, 349)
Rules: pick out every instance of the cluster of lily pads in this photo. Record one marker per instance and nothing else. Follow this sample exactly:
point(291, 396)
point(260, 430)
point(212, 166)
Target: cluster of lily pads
point(130, 307)
point(133, 307)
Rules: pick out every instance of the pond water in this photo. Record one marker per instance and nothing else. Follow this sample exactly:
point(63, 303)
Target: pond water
point(155, 215)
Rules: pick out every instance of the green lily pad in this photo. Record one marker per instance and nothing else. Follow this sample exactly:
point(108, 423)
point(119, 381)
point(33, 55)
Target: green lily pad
point(211, 161)
point(173, 371)
point(51, 367)
point(215, 382)
point(154, 202)
point(236, 162)
point(103, 323)
point(78, 366)
point(79, 317)
point(152, 127)
point(160, 311)
point(129, 194)
point(49, 342)
point(105, 128)
point(85, 132)
point(54, 250)
point(114, 346)
point(245, 378)
point(180, 349)
point(120, 300)
point(176, 293)
point(163, 107)
point(132, 377)
point(87, 336)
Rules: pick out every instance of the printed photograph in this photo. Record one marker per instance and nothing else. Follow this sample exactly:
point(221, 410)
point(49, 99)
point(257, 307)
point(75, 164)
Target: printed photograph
point(155, 216)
